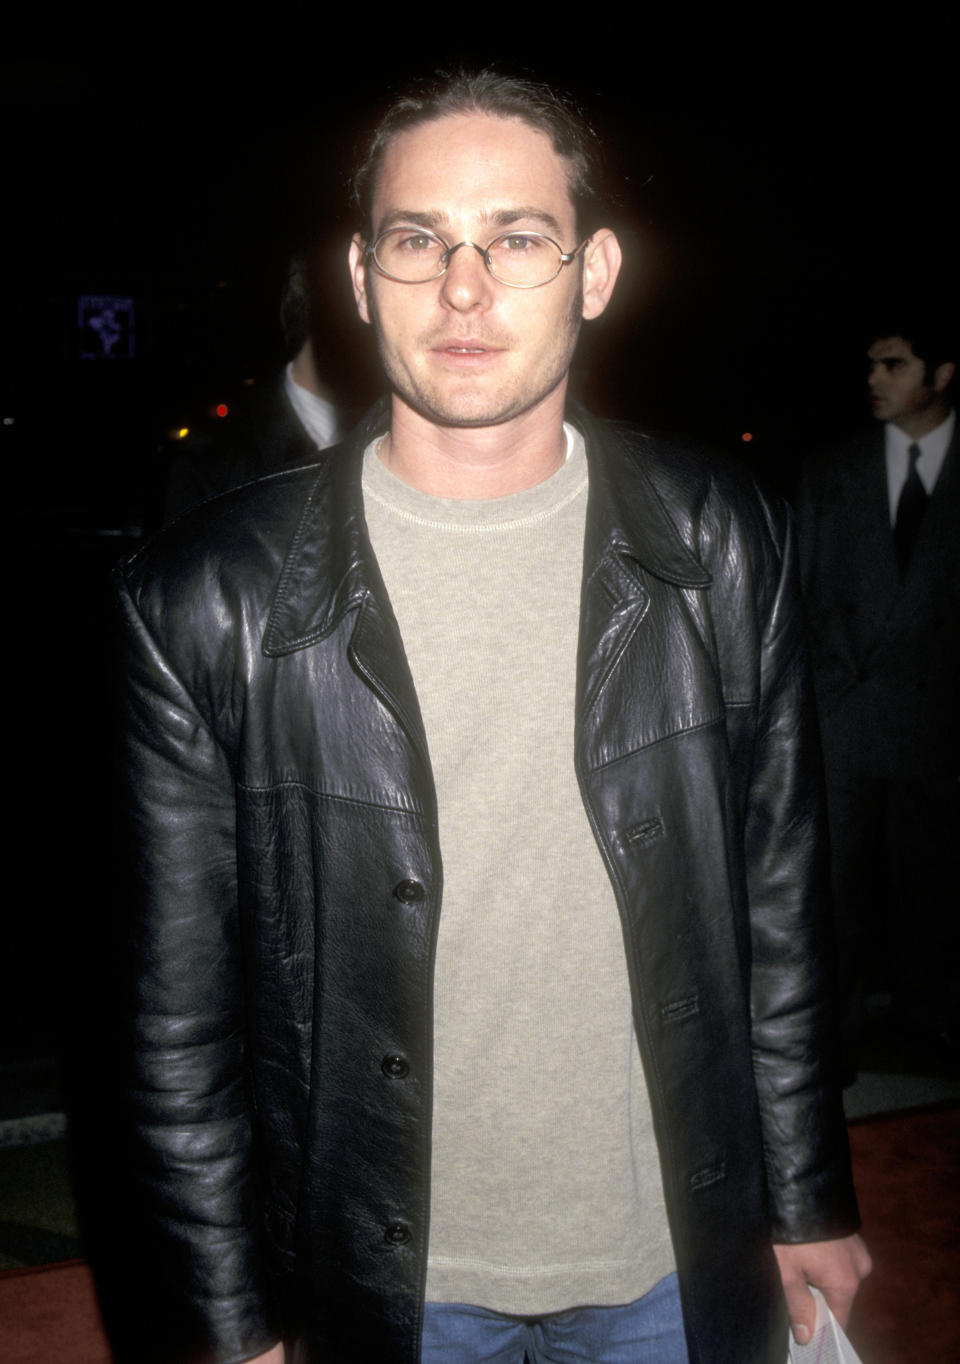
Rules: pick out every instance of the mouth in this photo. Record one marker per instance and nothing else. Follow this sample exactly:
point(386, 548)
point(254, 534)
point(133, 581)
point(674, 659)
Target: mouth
point(467, 352)
point(465, 345)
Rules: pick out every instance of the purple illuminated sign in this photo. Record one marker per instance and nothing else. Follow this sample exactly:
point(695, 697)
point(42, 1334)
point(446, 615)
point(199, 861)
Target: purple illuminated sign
point(105, 325)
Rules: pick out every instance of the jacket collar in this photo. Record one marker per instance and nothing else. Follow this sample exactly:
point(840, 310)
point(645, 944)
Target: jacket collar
point(330, 567)
point(631, 481)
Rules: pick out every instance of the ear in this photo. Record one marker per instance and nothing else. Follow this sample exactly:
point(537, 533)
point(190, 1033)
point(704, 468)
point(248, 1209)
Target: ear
point(943, 374)
point(602, 259)
point(358, 276)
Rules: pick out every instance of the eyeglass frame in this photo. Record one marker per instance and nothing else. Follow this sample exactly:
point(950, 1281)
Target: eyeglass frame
point(566, 257)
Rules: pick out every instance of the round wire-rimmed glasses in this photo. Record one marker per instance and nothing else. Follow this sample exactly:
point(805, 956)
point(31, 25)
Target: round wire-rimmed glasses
point(524, 260)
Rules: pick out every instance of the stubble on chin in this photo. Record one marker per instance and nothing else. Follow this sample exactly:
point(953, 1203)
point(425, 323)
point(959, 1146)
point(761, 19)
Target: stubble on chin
point(483, 406)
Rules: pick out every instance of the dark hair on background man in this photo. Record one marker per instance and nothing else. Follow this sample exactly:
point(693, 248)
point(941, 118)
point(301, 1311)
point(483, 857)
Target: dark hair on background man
point(490, 92)
point(932, 339)
point(296, 304)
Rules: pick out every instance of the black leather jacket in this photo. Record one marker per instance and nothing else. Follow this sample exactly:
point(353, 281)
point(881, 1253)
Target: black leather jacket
point(287, 882)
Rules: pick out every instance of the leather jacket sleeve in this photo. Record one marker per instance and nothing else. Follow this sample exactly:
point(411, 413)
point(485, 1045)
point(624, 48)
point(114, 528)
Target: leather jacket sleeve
point(189, 1127)
point(793, 1027)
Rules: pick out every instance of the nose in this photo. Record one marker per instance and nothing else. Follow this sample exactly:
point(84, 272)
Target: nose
point(874, 378)
point(466, 283)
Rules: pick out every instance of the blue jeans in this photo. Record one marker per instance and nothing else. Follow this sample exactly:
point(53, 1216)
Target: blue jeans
point(648, 1331)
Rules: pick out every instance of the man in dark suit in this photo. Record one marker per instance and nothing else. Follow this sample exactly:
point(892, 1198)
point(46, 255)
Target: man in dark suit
point(880, 547)
point(281, 426)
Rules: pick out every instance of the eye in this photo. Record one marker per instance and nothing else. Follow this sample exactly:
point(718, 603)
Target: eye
point(416, 241)
point(519, 243)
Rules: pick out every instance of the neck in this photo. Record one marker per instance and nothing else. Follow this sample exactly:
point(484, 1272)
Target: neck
point(303, 370)
point(920, 424)
point(474, 463)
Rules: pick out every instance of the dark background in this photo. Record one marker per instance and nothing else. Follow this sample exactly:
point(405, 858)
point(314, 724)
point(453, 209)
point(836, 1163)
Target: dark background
point(787, 169)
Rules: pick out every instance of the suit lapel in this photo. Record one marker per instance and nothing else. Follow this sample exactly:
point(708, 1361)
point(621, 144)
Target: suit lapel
point(874, 538)
point(937, 541)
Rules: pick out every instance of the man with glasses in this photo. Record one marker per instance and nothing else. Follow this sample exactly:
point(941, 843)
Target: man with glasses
point(479, 939)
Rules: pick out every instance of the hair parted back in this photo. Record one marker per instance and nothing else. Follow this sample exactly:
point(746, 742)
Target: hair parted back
point(296, 303)
point(928, 329)
point(487, 91)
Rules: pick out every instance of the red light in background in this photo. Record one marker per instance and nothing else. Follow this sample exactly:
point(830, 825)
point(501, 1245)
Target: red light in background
point(222, 409)
point(747, 436)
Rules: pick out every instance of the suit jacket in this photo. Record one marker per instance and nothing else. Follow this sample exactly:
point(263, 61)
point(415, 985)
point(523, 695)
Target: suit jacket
point(886, 652)
point(286, 884)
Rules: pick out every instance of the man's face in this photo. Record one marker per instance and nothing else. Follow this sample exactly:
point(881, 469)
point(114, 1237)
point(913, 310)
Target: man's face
point(897, 381)
point(465, 350)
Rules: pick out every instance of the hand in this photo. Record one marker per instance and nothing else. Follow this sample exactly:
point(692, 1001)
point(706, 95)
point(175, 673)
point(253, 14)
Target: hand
point(274, 1356)
point(835, 1267)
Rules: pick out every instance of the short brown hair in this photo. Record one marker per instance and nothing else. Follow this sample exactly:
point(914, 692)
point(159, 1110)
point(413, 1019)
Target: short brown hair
point(490, 92)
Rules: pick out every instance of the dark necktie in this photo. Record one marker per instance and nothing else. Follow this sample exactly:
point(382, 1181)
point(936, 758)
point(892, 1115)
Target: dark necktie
point(910, 509)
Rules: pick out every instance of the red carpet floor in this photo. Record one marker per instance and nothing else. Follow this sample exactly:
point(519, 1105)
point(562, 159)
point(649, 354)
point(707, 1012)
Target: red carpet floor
point(907, 1168)
point(50, 1316)
point(908, 1178)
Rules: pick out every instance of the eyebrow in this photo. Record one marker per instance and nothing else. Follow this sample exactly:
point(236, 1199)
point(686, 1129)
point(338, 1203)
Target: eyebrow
point(501, 217)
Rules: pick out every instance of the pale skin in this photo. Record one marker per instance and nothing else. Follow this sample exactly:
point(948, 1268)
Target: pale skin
point(489, 422)
point(479, 376)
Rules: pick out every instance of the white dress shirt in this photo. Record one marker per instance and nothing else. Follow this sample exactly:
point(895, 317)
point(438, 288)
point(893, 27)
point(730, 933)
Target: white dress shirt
point(317, 415)
point(933, 450)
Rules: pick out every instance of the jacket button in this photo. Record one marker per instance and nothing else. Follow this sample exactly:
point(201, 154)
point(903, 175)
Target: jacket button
point(394, 1066)
point(396, 1233)
point(409, 892)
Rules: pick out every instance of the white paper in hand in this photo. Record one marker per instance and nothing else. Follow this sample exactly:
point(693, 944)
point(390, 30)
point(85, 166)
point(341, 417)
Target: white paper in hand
point(827, 1345)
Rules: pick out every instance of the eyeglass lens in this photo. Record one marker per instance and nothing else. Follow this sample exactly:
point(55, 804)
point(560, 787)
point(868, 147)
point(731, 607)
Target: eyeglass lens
point(521, 258)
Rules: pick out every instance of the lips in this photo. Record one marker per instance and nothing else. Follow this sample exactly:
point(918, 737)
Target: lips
point(465, 354)
point(468, 345)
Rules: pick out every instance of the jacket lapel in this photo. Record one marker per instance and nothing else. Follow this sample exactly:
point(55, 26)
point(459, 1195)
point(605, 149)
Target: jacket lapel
point(875, 534)
point(622, 549)
point(939, 529)
point(896, 600)
point(330, 571)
